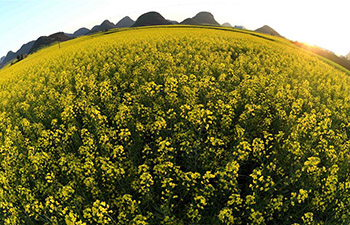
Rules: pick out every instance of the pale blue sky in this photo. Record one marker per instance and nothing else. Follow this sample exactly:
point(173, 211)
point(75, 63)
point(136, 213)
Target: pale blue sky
point(321, 22)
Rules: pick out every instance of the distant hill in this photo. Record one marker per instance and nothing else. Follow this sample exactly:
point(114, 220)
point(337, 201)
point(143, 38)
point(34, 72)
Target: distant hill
point(47, 40)
point(125, 22)
point(173, 21)
point(268, 30)
point(150, 19)
point(239, 27)
point(25, 48)
point(226, 25)
point(105, 25)
point(190, 21)
point(2, 59)
point(202, 18)
point(326, 54)
point(8, 58)
point(205, 18)
point(348, 56)
point(82, 31)
point(12, 55)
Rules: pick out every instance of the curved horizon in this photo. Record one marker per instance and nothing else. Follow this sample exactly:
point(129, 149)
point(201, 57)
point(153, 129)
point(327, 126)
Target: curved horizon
point(298, 20)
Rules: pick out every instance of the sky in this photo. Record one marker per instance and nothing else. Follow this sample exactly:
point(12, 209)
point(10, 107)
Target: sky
point(317, 22)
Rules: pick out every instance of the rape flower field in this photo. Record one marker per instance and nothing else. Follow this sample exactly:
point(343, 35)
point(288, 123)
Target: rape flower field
point(178, 125)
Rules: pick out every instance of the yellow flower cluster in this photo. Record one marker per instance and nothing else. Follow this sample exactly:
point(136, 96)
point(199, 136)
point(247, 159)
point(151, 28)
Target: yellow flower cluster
point(174, 125)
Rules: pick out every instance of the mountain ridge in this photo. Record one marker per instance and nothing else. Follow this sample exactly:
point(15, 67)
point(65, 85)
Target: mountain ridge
point(23, 50)
point(268, 30)
point(104, 26)
point(348, 56)
point(205, 18)
point(147, 19)
point(47, 40)
point(227, 24)
point(150, 19)
point(125, 22)
point(201, 18)
point(80, 32)
point(190, 21)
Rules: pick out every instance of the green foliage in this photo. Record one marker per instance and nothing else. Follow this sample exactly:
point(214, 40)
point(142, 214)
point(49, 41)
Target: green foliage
point(174, 126)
